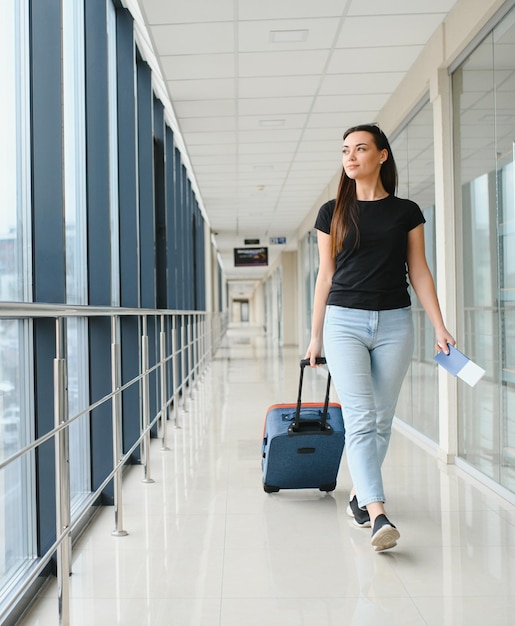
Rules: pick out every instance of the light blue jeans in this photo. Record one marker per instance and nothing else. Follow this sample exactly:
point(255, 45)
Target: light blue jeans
point(368, 354)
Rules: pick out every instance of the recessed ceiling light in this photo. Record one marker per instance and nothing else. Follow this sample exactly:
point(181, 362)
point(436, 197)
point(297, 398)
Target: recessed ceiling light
point(272, 123)
point(286, 36)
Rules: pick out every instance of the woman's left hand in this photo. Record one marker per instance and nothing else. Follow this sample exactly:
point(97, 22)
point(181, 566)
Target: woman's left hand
point(443, 338)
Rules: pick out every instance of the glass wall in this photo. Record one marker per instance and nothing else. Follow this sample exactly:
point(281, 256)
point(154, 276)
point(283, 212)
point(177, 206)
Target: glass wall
point(273, 307)
point(413, 149)
point(87, 165)
point(17, 539)
point(484, 110)
point(76, 245)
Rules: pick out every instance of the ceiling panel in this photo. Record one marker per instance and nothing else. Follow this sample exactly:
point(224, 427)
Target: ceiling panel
point(285, 63)
point(205, 108)
point(288, 9)
point(207, 124)
point(328, 133)
point(210, 89)
point(378, 31)
point(178, 12)
point(188, 67)
point(360, 84)
point(399, 7)
point(274, 136)
point(200, 38)
point(261, 161)
point(373, 59)
point(278, 86)
point(348, 104)
point(212, 139)
point(273, 105)
point(268, 148)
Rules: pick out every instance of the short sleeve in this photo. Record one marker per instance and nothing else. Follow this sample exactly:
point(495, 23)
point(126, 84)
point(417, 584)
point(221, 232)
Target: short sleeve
point(325, 216)
point(414, 216)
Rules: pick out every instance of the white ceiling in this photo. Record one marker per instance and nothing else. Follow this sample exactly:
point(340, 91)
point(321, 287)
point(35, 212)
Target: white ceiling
point(262, 121)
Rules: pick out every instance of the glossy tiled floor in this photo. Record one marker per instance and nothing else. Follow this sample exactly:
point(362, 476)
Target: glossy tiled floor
point(207, 547)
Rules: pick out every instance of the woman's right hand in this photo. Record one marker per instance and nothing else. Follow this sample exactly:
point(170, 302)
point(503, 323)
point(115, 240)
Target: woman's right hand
point(314, 350)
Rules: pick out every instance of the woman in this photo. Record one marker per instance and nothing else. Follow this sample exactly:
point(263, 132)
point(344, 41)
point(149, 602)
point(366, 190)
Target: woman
point(368, 239)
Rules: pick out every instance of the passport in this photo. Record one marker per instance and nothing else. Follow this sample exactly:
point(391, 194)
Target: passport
point(458, 364)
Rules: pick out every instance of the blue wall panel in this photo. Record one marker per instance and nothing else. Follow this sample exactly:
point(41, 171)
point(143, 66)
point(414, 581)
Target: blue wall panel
point(146, 183)
point(128, 212)
point(171, 232)
point(160, 205)
point(99, 245)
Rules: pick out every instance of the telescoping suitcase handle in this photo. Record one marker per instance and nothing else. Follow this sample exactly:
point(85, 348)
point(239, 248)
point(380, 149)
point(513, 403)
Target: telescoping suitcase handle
point(320, 360)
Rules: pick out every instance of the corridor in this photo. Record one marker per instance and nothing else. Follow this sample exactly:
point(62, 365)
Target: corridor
point(207, 547)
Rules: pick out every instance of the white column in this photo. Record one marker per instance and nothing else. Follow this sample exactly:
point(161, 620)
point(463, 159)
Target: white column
point(440, 93)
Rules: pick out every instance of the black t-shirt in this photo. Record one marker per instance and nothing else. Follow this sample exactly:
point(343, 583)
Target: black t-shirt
point(373, 276)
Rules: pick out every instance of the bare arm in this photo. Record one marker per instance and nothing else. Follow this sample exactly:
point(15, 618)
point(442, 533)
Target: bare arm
point(322, 287)
point(423, 284)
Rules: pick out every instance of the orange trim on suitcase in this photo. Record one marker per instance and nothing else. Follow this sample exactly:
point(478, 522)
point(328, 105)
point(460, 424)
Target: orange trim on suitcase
point(293, 405)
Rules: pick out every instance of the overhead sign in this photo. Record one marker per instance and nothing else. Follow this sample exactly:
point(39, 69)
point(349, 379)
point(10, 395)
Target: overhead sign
point(274, 241)
point(250, 257)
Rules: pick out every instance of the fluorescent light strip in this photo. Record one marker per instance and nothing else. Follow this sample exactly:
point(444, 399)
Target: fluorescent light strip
point(272, 123)
point(287, 36)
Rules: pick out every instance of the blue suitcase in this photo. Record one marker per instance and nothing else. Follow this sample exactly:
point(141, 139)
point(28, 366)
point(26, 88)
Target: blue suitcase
point(303, 443)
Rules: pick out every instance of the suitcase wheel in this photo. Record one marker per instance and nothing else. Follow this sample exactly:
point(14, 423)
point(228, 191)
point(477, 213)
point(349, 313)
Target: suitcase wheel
point(270, 488)
point(328, 488)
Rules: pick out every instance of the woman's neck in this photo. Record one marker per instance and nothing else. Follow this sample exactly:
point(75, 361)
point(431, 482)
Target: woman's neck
point(373, 191)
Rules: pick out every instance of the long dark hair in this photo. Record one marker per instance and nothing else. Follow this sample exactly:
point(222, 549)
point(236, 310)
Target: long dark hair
point(346, 210)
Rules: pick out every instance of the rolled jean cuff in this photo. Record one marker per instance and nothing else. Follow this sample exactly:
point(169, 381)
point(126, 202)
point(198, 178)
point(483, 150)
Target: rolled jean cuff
point(363, 505)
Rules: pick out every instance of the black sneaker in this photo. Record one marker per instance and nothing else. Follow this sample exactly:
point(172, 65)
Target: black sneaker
point(361, 517)
point(384, 534)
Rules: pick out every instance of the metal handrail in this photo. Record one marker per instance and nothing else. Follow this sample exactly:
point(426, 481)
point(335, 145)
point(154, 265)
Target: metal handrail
point(199, 341)
point(19, 310)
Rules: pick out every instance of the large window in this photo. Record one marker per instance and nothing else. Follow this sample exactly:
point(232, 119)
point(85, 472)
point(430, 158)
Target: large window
point(413, 150)
point(76, 244)
point(64, 119)
point(113, 156)
point(14, 152)
point(484, 105)
point(16, 480)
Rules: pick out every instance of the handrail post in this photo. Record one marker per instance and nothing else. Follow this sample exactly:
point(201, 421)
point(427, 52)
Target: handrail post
point(145, 402)
point(199, 344)
point(183, 362)
point(191, 354)
point(208, 320)
point(207, 334)
point(62, 478)
point(194, 348)
point(205, 340)
point(204, 344)
point(116, 412)
point(164, 394)
point(175, 366)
